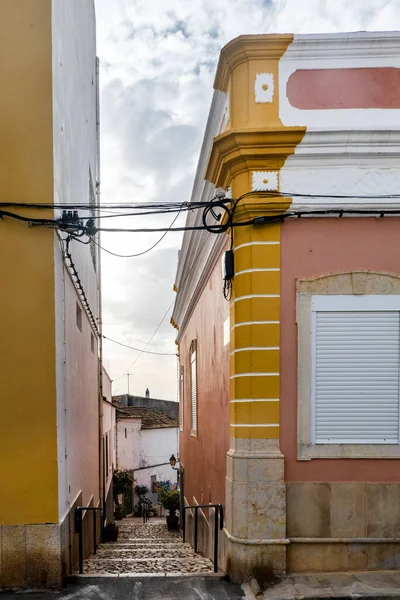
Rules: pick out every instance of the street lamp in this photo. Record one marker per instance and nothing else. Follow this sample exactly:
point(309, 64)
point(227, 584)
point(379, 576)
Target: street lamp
point(172, 462)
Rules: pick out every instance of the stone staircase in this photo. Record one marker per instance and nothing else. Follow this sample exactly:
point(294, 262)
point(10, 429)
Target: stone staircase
point(144, 549)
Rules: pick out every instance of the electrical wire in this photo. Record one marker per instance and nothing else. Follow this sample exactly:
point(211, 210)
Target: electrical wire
point(165, 314)
point(190, 205)
point(140, 253)
point(139, 349)
point(78, 283)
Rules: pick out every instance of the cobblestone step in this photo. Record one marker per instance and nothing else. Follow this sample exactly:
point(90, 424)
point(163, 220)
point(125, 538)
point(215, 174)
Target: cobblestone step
point(119, 553)
point(146, 548)
point(150, 544)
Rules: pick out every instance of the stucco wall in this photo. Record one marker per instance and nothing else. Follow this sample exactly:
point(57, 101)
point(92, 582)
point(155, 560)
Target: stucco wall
point(312, 247)
point(109, 426)
point(128, 443)
point(28, 447)
point(204, 456)
point(146, 447)
point(75, 153)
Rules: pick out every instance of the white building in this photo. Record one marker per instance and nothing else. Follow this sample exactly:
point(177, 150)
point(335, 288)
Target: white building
point(146, 439)
point(109, 445)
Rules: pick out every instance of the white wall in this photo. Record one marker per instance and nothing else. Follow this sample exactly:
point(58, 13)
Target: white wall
point(74, 153)
point(128, 443)
point(145, 451)
point(109, 429)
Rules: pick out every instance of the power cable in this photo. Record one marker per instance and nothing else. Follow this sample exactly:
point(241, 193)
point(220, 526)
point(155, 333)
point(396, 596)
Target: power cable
point(138, 349)
point(190, 205)
point(140, 253)
point(165, 314)
point(78, 283)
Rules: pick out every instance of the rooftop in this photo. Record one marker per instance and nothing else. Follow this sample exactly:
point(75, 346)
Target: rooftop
point(150, 418)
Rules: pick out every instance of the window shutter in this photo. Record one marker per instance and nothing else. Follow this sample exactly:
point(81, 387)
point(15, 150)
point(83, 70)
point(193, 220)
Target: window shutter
point(356, 359)
point(181, 397)
point(193, 387)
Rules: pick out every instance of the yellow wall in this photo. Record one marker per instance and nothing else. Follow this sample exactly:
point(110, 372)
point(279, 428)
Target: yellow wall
point(28, 446)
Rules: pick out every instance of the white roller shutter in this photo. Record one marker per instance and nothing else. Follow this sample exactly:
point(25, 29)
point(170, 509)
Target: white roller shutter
point(193, 388)
point(356, 358)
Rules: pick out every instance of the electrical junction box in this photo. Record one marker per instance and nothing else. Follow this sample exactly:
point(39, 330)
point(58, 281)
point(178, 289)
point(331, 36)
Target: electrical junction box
point(228, 270)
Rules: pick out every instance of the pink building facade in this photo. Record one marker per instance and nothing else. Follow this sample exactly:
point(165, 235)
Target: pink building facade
point(290, 390)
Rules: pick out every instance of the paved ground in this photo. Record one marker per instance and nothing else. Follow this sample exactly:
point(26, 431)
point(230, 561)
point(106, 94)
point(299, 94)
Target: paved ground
point(336, 585)
point(146, 548)
point(135, 588)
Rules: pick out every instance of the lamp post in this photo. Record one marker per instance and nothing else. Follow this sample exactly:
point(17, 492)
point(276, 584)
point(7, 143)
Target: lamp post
point(172, 462)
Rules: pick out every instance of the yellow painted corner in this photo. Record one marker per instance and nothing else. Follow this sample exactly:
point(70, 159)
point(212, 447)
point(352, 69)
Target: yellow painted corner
point(255, 309)
point(257, 257)
point(255, 335)
point(255, 432)
point(254, 413)
point(257, 282)
point(255, 387)
point(255, 361)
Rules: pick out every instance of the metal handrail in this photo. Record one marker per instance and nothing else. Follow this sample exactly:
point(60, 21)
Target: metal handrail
point(219, 513)
point(146, 505)
point(79, 529)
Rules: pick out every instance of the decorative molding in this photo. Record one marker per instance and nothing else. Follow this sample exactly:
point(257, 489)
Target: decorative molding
point(264, 88)
point(264, 181)
point(345, 142)
point(339, 51)
point(226, 115)
point(350, 283)
point(344, 540)
point(361, 44)
point(256, 542)
point(344, 163)
point(245, 48)
point(240, 150)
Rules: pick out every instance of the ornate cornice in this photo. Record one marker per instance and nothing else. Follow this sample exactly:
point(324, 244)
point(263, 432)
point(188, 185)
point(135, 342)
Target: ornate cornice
point(245, 48)
point(250, 149)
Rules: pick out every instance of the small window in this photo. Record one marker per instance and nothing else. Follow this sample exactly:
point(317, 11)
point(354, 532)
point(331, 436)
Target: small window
point(106, 456)
point(181, 397)
point(126, 433)
point(79, 317)
point(193, 386)
point(92, 342)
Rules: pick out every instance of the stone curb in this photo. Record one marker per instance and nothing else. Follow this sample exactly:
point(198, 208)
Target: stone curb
point(76, 578)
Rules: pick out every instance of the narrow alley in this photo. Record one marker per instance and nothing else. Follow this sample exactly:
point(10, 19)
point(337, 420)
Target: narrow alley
point(146, 549)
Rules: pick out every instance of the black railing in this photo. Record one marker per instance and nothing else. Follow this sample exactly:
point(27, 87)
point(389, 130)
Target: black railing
point(79, 529)
point(218, 516)
point(146, 507)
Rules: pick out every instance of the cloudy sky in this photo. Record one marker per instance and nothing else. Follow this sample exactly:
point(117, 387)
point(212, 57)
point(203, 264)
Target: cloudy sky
point(158, 59)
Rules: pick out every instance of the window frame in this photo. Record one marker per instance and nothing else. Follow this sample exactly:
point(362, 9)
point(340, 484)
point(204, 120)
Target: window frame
point(384, 294)
point(193, 351)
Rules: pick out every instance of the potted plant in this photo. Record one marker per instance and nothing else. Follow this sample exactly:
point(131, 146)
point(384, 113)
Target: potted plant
point(111, 531)
point(170, 501)
point(122, 485)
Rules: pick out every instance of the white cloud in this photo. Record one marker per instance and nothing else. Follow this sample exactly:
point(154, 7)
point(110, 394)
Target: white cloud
point(158, 59)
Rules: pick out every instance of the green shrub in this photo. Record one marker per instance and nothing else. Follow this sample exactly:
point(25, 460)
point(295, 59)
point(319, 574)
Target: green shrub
point(170, 500)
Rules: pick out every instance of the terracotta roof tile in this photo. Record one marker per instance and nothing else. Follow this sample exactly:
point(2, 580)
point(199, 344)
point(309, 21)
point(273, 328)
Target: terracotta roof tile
point(150, 418)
